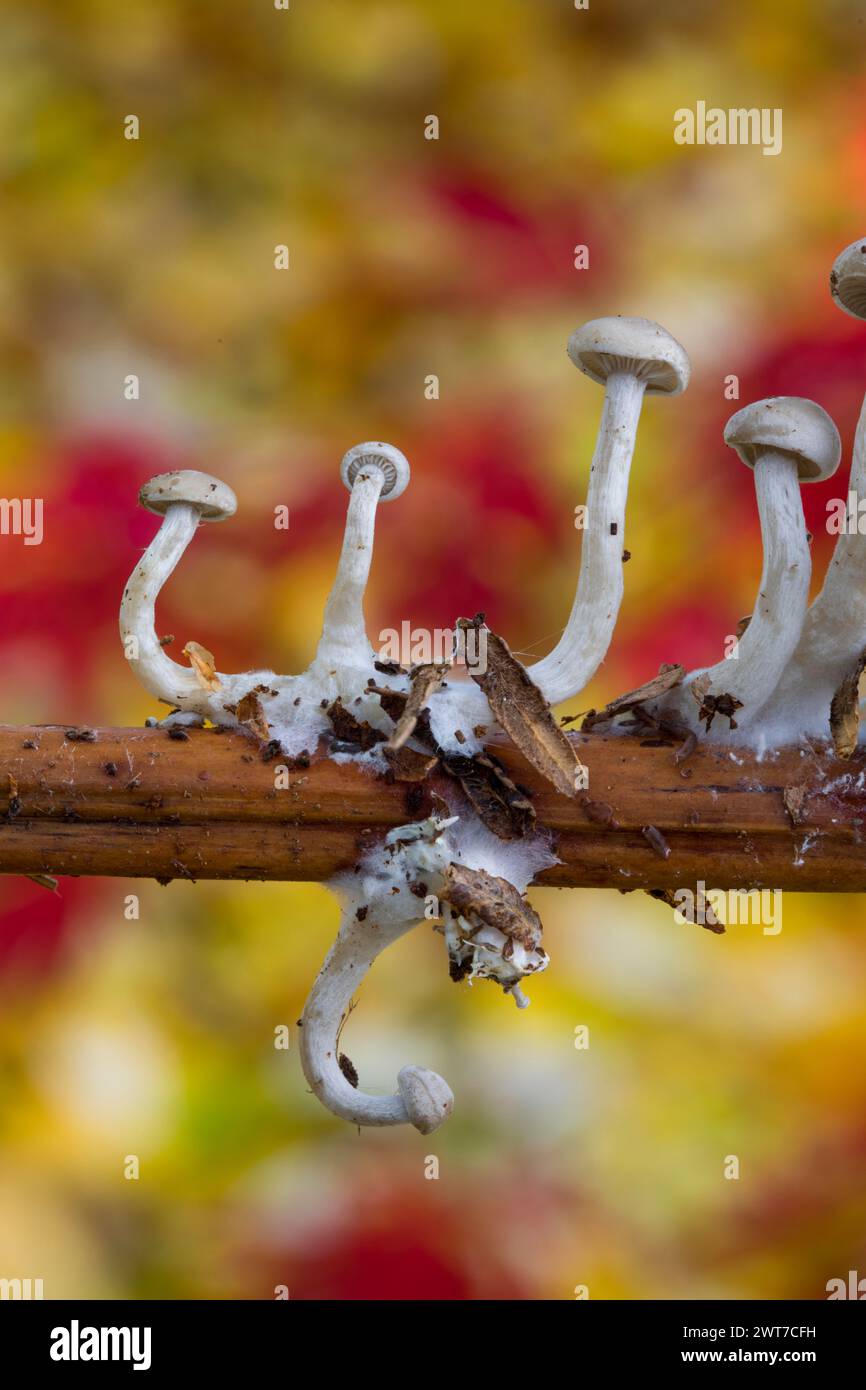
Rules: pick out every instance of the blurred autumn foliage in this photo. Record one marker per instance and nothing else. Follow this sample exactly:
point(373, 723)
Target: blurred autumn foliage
point(153, 1036)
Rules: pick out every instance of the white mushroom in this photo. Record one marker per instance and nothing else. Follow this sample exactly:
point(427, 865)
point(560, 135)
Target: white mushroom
point(834, 632)
point(379, 907)
point(786, 441)
point(423, 1099)
point(630, 357)
point(373, 473)
point(183, 499)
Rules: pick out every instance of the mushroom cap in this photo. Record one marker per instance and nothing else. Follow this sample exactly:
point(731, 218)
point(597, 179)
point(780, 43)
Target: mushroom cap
point(848, 279)
point(427, 1097)
point(392, 463)
point(788, 425)
point(214, 500)
point(639, 346)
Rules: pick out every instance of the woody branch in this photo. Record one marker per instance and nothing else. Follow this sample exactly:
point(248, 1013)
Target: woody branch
point(156, 803)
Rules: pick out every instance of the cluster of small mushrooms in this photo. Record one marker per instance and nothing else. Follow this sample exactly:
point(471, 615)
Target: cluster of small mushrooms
point(791, 661)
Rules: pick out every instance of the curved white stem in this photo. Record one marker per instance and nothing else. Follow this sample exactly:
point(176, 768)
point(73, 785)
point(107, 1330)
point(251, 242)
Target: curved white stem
point(424, 1100)
point(584, 643)
point(834, 633)
point(156, 671)
point(344, 636)
point(767, 645)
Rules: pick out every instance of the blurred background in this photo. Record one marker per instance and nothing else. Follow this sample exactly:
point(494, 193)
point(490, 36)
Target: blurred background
point(410, 257)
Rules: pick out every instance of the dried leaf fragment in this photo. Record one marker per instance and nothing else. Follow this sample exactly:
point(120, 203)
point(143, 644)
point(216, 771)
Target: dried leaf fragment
point(202, 663)
point(519, 706)
point(669, 675)
point(845, 712)
point(497, 801)
point(425, 680)
point(793, 798)
point(494, 901)
point(351, 730)
point(251, 713)
point(407, 765)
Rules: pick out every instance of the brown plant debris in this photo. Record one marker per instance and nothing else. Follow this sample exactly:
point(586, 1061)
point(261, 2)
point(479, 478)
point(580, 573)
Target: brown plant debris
point(44, 881)
point(498, 802)
point(521, 709)
point(407, 765)
point(793, 798)
point(703, 909)
point(599, 812)
point(393, 702)
point(742, 625)
point(425, 679)
point(83, 735)
point(845, 712)
point(495, 902)
point(670, 674)
point(202, 663)
point(250, 712)
point(656, 840)
point(711, 705)
point(348, 729)
point(348, 1068)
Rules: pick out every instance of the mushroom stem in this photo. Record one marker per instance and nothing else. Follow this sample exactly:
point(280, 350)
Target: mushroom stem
point(583, 645)
point(424, 1099)
point(344, 636)
point(769, 641)
point(834, 632)
point(156, 671)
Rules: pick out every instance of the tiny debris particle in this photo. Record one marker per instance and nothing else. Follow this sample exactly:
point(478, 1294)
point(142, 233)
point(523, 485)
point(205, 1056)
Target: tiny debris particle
point(389, 668)
point(29, 743)
point(599, 812)
point(252, 716)
point(459, 735)
point(626, 556)
point(82, 735)
point(407, 765)
point(361, 914)
point(418, 888)
point(179, 735)
point(347, 1067)
point(355, 732)
point(110, 769)
point(44, 881)
point(793, 798)
point(166, 641)
point(480, 730)
point(845, 712)
point(656, 840)
point(271, 750)
point(613, 528)
point(426, 679)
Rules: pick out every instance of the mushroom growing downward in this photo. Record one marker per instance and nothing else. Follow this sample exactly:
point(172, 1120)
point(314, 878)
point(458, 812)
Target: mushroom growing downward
point(631, 358)
point(786, 441)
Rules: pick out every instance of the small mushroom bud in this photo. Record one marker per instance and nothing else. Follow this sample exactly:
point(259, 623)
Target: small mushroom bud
point(631, 358)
